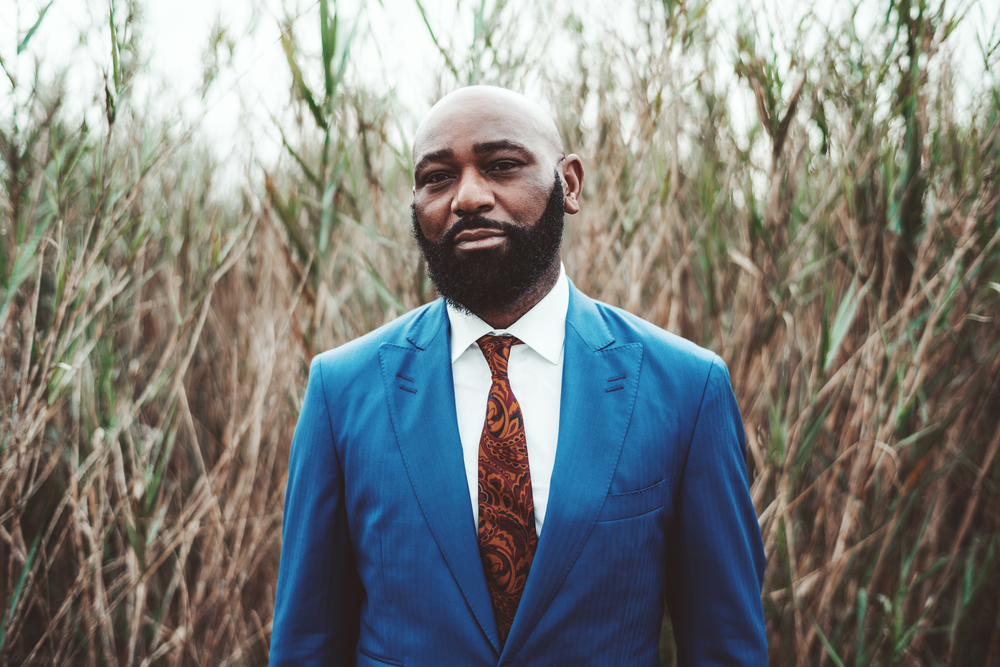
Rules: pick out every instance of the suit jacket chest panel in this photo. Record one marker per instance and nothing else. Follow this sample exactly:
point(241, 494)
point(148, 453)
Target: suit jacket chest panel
point(656, 446)
point(651, 461)
point(366, 446)
point(403, 567)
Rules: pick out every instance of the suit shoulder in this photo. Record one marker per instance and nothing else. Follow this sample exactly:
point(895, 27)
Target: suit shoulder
point(628, 328)
point(357, 355)
point(668, 353)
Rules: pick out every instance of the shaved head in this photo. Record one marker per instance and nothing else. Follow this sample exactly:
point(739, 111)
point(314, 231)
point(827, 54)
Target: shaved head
point(523, 120)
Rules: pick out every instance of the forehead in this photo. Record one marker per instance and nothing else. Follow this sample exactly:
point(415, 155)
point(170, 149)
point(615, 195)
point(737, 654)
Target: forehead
point(461, 126)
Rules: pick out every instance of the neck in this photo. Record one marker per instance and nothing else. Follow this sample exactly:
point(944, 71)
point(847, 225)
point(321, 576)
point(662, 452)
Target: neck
point(503, 319)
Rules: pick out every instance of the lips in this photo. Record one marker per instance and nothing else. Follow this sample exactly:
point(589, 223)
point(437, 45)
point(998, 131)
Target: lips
point(478, 239)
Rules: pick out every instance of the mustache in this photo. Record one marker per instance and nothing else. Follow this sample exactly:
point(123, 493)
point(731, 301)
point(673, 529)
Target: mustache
point(476, 222)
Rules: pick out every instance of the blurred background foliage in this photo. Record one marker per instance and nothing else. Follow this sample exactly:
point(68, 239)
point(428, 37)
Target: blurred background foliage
point(838, 247)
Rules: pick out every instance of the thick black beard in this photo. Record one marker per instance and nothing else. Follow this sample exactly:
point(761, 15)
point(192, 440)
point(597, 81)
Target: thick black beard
point(491, 280)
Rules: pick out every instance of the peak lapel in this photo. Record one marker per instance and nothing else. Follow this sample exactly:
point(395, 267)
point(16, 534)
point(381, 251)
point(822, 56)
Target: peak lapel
point(421, 395)
point(598, 395)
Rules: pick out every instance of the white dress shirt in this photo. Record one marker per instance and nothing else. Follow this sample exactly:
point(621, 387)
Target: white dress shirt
point(535, 372)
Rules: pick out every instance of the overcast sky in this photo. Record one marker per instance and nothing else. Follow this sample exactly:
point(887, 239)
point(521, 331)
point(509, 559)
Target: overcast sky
point(393, 49)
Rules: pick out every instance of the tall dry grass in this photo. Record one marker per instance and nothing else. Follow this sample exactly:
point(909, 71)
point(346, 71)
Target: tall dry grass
point(148, 394)
point(841, 256)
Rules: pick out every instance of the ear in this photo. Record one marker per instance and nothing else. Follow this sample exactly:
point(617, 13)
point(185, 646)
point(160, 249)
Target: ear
point(572, 177)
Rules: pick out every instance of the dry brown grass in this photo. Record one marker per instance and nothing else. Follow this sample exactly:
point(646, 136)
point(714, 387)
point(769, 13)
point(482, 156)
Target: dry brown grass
point(154, 343)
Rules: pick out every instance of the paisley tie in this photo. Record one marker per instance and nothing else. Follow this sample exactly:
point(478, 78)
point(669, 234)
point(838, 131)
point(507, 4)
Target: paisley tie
point(507, 538)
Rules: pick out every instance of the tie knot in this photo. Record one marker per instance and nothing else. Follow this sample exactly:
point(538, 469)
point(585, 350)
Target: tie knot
point(496, 349)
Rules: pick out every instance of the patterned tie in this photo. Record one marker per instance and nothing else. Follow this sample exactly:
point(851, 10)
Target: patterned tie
point(507, 538)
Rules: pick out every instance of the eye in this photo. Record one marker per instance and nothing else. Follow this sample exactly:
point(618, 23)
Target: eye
point(504, 165)
point(435, 177)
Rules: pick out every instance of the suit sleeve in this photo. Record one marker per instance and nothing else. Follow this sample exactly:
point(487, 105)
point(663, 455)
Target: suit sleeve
point(317, 603)
point(715, 567)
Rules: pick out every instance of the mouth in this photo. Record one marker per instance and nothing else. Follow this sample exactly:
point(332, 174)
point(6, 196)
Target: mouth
point(478, 239)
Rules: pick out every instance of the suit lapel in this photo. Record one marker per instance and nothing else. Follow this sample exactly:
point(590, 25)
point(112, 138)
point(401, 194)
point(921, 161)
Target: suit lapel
point(421, 395)
point(598, 394)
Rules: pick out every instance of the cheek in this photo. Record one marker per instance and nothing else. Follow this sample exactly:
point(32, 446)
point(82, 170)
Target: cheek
point(527, 203)
point(432, 217)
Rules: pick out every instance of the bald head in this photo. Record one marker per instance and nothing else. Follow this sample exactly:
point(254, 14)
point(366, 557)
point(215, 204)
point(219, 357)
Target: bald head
point(500, 112)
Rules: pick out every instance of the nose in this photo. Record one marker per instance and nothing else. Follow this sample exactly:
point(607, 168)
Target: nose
point(474, 195)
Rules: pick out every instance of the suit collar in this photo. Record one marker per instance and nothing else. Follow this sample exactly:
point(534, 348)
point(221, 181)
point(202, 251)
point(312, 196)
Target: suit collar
point(581, 314)
point(428, 325)
point(586, 321)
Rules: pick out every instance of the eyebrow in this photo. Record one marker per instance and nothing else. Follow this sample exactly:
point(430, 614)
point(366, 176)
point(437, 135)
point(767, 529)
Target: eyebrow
point(501, 145)
point(479, 149)
point(433, 156)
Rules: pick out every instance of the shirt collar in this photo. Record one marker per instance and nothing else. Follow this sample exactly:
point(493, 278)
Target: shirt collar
point(543, 328)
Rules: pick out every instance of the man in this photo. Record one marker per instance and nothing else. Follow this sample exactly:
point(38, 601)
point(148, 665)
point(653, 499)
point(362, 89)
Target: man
point(514, 474)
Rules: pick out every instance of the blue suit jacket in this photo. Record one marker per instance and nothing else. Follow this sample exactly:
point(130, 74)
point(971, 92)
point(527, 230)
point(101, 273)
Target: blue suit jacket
point(648, 501)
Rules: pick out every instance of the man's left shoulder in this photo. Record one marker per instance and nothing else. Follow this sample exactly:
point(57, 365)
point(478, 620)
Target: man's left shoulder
point(627, 328)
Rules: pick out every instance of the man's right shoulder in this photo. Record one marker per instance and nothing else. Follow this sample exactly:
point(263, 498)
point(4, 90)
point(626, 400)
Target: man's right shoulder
point(356, 356)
